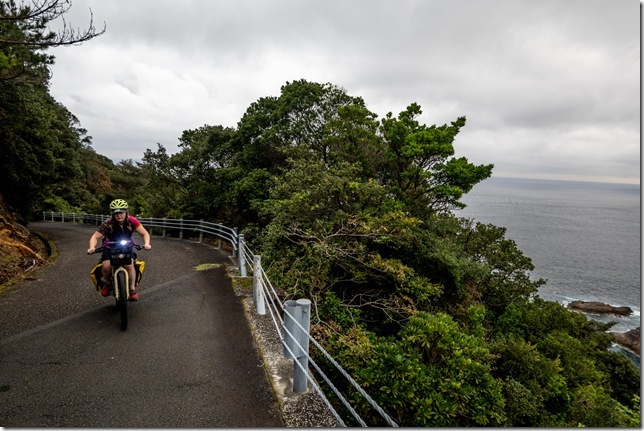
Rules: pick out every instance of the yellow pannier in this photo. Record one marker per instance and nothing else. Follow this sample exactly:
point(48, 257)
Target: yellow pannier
point(95, 273)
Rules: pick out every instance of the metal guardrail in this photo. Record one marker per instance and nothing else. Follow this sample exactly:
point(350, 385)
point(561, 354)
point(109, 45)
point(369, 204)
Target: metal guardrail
point(291, 318)
point(290, 321)
point(181, 225)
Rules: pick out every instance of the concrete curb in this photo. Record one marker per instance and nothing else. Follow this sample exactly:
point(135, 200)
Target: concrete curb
point(298, 410)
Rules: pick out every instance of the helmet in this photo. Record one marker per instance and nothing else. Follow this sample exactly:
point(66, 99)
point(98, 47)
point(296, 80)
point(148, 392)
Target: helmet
point(118, 206)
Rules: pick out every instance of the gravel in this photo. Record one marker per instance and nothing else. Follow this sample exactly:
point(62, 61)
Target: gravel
point(305, 410)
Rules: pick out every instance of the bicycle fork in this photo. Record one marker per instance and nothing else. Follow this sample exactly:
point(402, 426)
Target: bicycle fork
point(115, 280)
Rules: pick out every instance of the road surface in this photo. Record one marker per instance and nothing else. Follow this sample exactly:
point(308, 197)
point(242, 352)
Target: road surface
point(187, 359)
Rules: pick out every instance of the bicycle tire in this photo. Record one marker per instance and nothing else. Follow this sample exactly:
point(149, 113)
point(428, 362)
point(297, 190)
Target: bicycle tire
point(121, 283)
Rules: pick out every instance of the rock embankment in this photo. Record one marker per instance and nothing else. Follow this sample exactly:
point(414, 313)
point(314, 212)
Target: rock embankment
point(21, 251)
point(594, 307)
point(629, 340)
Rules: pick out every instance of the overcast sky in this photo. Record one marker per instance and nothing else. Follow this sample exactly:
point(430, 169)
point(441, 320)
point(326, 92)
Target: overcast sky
point(550, 88)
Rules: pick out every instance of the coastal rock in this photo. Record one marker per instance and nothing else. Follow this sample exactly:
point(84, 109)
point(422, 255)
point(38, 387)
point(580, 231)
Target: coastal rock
point(629, 340)
point(594, 307)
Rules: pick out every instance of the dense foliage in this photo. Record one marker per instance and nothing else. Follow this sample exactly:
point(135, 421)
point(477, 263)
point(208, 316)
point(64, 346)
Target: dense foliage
point(436, 316)
point(47, 162)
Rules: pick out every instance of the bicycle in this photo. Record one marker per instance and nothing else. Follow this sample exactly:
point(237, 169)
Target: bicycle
point(121, 254)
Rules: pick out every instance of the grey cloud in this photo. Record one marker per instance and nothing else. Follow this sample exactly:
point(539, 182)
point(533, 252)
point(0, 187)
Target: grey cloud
point(524, 73)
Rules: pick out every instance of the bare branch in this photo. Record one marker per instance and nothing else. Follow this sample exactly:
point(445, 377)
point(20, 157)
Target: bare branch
point(31, 21)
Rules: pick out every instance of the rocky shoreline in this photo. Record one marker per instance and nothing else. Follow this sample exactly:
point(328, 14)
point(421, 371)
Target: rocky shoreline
point(594, 307)
point(630, 340)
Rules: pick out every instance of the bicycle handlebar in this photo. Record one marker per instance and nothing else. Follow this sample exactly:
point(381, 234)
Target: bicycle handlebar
point(100, 249)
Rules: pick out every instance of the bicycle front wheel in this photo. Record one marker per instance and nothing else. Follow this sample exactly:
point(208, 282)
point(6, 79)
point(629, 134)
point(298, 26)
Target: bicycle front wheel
point(121, 280)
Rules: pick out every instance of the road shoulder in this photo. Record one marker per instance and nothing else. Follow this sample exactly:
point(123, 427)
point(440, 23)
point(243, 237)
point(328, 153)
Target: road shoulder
point(298, 410)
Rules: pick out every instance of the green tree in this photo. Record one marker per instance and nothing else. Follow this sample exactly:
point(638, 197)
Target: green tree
point(325, 233)
point(558, 370)
point(434, 374)
point(43, 149)
point(202, 166)
point(43, 146)
point(418, 166)
point(276, 129)
point(167, 186)
point(298, 118)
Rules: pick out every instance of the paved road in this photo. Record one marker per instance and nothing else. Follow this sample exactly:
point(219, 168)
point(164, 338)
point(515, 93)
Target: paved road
point(187, 359)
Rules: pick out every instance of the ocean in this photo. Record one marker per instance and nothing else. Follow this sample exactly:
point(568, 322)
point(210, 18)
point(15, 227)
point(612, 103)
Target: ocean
point(583, 237)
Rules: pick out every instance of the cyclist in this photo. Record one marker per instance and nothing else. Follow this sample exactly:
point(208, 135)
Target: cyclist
point(119, 227)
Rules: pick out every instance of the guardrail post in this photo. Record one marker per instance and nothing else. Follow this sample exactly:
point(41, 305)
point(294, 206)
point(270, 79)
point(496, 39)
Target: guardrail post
point(164, 227)
point(52, 215)
point(298, 311)
point(181, 228)
point(240, 260)
point(258, 291)
point(200, 231)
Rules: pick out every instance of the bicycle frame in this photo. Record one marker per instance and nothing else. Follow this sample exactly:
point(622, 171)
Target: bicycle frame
point(121, 254)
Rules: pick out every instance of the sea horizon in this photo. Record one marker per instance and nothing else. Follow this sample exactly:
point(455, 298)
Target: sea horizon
point(594, 181)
